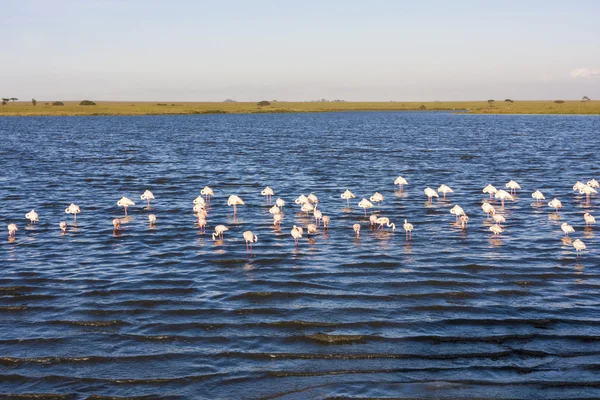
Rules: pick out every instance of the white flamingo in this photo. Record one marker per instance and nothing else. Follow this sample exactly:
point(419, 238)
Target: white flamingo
point(125, 202)
point(364, 204)
point(555, 203)
point(385, 221)
point(491, 190)
point(268, 193)
point(207, 192)
point(356, 228)
point(250, 238)
point(347, 195)
point(147, 195)
point(579, 247)
point(12, 230)
point(445, 189)
point(32, 216)
point(566, 228)
point(513, 186)
point(430, 193)
point(401, 182)
point(503, 195)
point(73, 209)
point(589, 219)
point(408, 228)
point(234, 201)
point(219, 229)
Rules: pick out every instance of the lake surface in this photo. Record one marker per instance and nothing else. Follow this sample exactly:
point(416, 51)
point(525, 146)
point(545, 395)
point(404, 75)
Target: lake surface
point(168, 312)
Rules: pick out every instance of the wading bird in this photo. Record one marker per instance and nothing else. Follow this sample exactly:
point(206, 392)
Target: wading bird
point(152, 219)
point(589, 219)
point(488, 209)
point(63, 226)
point(125, 202)
point(147, 195)
point(296, 233)
point(326, 221)
point(219, 229)
point(376, 198)
point(12, 230)
point(408, 228)
point(250, 238)
point(496, 229)
point(356, 228)
point(32, 216)
point(503, 195)
point(445, 189)
point(555, 203)
point(513, 186)
point(207, 192)
point(347, 195)
point(364, 204)
point(401, 182)
point(538, 196)
point(566, 228)
point(268, 193)
point(491, 190)
point(73, 209)
point(116, 224)
point(430, 193)
point(385, 221)
point(234, 201)
point(579, 247)
point(280, 203)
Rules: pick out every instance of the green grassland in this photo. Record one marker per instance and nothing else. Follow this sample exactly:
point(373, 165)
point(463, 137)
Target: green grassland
point(161, 108)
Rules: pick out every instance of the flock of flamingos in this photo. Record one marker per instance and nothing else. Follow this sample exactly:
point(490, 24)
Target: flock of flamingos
point(309, 204)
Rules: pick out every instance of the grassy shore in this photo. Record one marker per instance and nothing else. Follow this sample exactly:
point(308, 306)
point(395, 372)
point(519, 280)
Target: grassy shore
point(159, 108)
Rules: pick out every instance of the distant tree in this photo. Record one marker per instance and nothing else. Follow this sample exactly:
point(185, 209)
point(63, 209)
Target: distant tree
point(58, 103)
point(509, 101)
point(34, 102)
point(13, 100)
point(491, 103)
point(585, 98)
point(264, 103)
point(422, 107)
point(47, 104)
point(4, 101)
point(87, 103)
point(559, 101)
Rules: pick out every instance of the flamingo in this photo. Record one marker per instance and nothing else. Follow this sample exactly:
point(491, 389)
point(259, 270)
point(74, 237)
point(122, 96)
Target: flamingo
point(588, 191)
point(234, 201)
point(589, 219)
point(12, 230)
point(311, 229)
point(430, 193)
point(280, 203)
point(63, 226)
point(277, 219)
point(116, 224)
point(207, 192)
point(498, 219)
point(356, 228)
point(566, 228)
point(296, 233)
point(503, 195)
point(385, 221)
point(578, 186)
point(457, 211)
point(250, 238)
point(268, 192)
point(73, 209)
point(364, 203)
point(513, 186)
point(373, 220)
point(491, 190)
point(555, 203)
point(125, 202)
point(307, 207)
point(408, 228)
point(200, 212)
point(219, 229)
point(488, 209)
point(147, 195)
point(274, 210)
point(302, 199)
point(348, 195)
point(538, 196)
point(202, 224)
point(463, 221)
point(326, 221)
point(496, 229)
point(593, 183)
point(199, 201)
point(152, 219)
point(579, 247)
point(445, 189)
point(313, 199)
point(32, 216)
point(318, 216)
point(376, 198)
point(401, 181)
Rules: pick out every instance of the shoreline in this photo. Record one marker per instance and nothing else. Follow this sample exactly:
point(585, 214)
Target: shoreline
point(547, 107)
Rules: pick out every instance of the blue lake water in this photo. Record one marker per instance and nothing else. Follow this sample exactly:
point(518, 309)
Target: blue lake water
point(168, 312)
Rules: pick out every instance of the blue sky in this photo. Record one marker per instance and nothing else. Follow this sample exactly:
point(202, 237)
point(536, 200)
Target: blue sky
point(252, 50)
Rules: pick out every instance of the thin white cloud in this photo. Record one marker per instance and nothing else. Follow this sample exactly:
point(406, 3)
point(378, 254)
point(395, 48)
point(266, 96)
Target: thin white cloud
point(585, 72)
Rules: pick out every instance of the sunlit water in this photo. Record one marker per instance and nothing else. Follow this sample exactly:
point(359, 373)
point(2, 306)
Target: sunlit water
point(169, 312)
